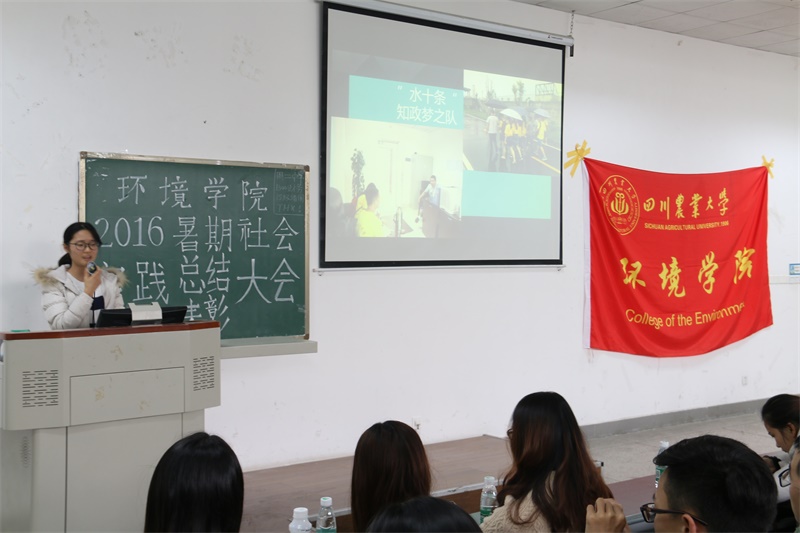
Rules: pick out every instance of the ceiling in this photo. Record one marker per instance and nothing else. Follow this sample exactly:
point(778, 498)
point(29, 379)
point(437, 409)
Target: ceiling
point(769, 25)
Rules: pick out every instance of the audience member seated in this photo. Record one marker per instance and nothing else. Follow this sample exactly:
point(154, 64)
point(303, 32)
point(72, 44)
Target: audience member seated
point(794, 488)
point(710, 484)
point(389, 466)
point(361, 202)
point(196, 486)
point(338, 224)
point(781, 417)
point(552, 477)
point(368, 223)
point(421, 514)
point(606, 515)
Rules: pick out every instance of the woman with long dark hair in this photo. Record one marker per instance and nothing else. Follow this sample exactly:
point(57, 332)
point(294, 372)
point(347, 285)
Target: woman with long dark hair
point(552, 477)
point(389, 466)
point(197, 486)
point(78, 287)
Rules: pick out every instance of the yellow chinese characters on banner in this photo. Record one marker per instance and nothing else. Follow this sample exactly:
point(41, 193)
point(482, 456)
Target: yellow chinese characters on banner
point(678, 261)
point(671, 274)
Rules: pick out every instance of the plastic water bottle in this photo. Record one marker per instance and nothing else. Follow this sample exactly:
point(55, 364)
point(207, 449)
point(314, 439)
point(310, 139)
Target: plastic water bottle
point(488, 497)
point(300, 523)
point(660, 469)
point(326, 520)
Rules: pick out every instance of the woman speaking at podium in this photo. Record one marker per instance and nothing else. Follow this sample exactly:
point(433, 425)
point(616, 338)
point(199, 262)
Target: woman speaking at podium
point(73, 292)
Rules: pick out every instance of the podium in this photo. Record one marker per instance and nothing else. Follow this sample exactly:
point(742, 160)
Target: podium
point(86, 414)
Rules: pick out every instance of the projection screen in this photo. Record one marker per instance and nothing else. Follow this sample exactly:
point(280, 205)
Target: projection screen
point(442, 143)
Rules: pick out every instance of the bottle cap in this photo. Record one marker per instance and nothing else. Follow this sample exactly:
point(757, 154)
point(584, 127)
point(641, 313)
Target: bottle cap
point(300, 513)
point(326, 501)
point(491, 480)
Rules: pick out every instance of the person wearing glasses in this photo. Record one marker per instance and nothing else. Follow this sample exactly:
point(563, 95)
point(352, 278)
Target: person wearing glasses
point(710, 483)
point(71, 295)
point(794, 486)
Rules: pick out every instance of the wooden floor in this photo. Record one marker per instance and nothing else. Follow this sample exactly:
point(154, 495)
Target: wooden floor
point(458, 470)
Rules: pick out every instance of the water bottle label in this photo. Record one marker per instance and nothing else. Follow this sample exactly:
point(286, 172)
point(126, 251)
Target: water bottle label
point(659, 471)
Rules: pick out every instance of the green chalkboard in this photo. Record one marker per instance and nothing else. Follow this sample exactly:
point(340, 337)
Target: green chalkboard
point(227, 239)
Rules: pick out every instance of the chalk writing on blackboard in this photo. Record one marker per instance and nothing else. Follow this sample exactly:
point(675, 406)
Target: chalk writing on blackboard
point(228, 240)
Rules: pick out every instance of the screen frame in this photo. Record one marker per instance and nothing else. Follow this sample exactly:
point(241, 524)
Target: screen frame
point(470, 26)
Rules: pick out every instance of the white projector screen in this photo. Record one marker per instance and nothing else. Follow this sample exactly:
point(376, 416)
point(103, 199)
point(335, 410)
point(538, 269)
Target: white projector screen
point(442, 144)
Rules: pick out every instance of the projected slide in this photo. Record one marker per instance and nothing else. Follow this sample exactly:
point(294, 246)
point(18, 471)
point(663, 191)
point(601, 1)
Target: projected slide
point(439, 154)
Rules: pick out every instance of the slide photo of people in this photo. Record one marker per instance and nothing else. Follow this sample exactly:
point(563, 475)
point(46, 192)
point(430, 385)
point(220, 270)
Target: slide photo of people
point(435, 152)
point(394, 180)
point(511, 124)
point(512, 139)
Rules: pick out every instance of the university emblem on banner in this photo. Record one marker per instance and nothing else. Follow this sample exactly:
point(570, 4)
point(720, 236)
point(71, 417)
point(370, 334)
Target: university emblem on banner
point(684, 269)
point(621, 204)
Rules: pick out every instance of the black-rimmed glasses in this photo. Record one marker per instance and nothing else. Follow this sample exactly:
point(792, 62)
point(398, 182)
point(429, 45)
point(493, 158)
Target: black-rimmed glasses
point(649, 512)
point(81, 246)
point(784, 479)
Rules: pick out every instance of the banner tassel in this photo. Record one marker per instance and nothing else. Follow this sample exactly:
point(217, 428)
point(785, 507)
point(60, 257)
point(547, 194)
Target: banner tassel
point(769, 165)
point(575, 157)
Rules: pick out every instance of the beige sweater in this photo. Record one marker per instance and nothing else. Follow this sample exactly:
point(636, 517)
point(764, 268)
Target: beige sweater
point(501, 518)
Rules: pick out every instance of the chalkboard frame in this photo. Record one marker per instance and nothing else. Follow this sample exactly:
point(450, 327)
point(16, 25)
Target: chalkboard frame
point(84, 155)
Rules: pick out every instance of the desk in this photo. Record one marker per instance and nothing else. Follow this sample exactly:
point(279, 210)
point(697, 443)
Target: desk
point(437, 223)
point(458, 469)
point(631, 494)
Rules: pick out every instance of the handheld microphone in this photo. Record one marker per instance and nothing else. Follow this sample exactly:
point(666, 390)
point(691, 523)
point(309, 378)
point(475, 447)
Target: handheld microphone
point(91, 268)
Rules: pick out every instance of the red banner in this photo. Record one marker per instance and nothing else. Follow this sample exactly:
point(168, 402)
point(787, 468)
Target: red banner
point(678, 261)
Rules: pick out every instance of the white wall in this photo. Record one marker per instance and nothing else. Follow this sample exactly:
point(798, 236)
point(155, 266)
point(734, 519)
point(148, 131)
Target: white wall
point(456, 348)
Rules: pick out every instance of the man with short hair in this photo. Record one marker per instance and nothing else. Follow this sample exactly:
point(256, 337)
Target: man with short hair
point(710, 483)
point(432, 192)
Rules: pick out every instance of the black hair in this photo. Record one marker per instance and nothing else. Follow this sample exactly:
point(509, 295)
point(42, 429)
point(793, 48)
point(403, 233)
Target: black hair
point(197, 486)
point(721, 481)
point(70, 232)
point(371, 193)
point(782, 410)
point(551, 465)
point(389, 466)
point(796, 451)
point(423, 513)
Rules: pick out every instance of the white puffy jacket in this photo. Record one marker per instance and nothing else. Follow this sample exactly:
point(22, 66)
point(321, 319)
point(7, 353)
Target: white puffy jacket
point(66, 305)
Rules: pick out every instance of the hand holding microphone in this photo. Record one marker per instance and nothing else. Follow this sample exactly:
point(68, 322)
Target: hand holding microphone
point(93, 278)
